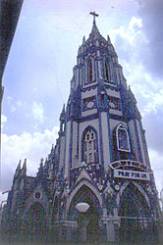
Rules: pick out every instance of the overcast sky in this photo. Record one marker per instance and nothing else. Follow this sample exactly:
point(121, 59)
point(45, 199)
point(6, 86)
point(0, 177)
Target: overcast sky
point(39, 69)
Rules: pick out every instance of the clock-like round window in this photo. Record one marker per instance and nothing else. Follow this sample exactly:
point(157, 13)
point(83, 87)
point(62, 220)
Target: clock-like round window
point(37, 195)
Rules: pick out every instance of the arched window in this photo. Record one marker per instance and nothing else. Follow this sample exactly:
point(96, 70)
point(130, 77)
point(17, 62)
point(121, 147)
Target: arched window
point(89, 152)
point(89, 70)
point(122, 137)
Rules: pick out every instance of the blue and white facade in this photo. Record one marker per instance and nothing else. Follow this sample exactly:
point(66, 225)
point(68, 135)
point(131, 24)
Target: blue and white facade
point(97, 182)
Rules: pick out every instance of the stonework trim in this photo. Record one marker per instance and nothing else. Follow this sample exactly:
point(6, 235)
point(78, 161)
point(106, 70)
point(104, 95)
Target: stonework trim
point(138, 186)
point(84, 182)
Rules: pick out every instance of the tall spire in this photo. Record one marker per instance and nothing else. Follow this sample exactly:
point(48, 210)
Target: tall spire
point(94, 14)
point(94, 32)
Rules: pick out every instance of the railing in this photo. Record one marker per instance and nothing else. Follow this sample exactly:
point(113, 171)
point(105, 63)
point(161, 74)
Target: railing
point(128, 163)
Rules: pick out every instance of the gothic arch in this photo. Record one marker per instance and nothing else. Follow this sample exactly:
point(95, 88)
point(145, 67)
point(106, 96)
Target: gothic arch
point(122, 129)
point(135, 214)
point(32, 204)
point(89, 145)
point(89, 186)
point(35, 221)
point(121, 142)
point(88, 221)
point(140, 189)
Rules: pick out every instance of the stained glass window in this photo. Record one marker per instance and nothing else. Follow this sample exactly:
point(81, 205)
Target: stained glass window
point(122, 139)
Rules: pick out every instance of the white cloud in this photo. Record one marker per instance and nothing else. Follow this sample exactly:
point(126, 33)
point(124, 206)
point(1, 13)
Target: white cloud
point(148, 90)
point(131, 34)
point(14, 104)
point(156, 164)
point(38, 112)
point(3, 121)
point(31, 146)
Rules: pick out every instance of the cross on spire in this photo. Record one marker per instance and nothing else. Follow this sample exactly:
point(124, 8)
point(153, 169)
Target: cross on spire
point(94, 14)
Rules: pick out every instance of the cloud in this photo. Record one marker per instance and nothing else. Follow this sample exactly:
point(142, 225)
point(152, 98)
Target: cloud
point(3, 121)
point(13, 104)
point(144, 37)
point(26, 145)
point(152, 53)
point(130, 33)
point(148, 90)
point(38, 112)
point(128, 38)
point(156, 164)
point(153, 125)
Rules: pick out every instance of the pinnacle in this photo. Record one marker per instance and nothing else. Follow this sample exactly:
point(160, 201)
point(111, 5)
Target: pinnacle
point(19, 165)
point(94, 32)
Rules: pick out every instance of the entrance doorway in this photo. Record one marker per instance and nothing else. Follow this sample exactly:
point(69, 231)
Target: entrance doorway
point(88, 222)
point(88, 225)
point(36, 222)
point(136, 219)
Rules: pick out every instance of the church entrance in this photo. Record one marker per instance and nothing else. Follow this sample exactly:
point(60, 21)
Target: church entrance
point(88, 222)
point(88, 226)
point(36, 222)
point(136, 223)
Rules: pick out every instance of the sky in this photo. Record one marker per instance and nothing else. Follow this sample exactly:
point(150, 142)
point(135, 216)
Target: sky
point(39, 69)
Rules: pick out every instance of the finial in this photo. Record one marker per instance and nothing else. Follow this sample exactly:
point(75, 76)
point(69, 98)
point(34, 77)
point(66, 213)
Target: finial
point(41, 161)
point(83, 39)
point(94, 14)
point(25, 163)
point(63, 110)
point(17, 171)
point(25, 160)
point(108, 38)
point(52, 148)
point(19, 166)
point(19, 163)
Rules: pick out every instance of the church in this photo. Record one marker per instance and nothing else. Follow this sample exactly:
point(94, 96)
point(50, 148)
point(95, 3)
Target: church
point(96, 183)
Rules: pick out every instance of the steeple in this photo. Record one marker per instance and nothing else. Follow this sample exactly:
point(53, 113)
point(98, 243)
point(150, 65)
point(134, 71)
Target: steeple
point(94, 27)
point(94, 14)
point(95, 38)
point(94, 32)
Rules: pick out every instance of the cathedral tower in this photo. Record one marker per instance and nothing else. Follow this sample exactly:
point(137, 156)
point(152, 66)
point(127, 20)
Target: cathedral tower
point(97, 182)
